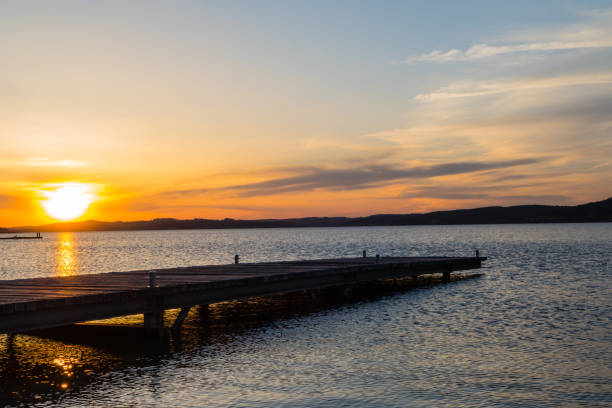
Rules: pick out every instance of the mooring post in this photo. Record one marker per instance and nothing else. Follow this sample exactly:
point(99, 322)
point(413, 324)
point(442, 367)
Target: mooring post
point(377, 258)
point(364, 253)
point(152, 279)
point(236, 259)
point(154, 319)
point(446, 274)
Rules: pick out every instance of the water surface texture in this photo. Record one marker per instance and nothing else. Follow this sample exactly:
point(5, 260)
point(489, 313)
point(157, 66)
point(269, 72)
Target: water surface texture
point(533, 331)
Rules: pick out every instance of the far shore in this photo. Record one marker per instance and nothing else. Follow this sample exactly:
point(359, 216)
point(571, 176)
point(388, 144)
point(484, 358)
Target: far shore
point(600, 211)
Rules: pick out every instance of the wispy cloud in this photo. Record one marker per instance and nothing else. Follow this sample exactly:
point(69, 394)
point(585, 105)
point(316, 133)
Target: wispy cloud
point(45, 162)
point(481, 51)
point(596, 32)
point(490, 191)
point(354, 178)
point(482, 88)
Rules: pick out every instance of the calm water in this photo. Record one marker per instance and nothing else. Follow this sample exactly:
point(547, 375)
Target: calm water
point(535, 330)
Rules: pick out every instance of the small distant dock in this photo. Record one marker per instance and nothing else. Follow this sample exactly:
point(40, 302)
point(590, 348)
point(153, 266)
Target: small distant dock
point(30, 304)
point(37, 236)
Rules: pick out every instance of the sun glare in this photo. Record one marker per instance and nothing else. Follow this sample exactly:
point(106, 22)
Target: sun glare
point(68, 201)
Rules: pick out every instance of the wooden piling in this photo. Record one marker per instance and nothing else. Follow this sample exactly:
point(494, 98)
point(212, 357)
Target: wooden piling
point(153, 320)
point(180, 318)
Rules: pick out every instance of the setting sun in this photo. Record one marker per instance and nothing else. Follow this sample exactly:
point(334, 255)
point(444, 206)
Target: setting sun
point(68, 201)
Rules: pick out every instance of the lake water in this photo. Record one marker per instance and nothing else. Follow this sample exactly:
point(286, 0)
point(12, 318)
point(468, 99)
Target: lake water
point(534, 330)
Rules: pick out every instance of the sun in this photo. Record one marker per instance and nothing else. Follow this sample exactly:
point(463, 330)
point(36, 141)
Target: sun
point(68, 201)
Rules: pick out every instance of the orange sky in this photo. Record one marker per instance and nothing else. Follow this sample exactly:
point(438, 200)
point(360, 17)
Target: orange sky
point(274, 112)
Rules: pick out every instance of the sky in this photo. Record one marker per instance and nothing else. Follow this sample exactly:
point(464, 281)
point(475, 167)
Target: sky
point(277, 109)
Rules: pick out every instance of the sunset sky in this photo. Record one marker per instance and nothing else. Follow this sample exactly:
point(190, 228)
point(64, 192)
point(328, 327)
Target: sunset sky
point(284, 109)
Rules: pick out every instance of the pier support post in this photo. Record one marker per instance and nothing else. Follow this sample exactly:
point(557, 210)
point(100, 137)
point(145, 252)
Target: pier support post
point(154, 320)
point(180, 318)
point(204, 315)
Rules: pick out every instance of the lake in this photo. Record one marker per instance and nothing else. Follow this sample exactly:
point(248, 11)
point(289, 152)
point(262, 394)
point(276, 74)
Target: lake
point(534, 330)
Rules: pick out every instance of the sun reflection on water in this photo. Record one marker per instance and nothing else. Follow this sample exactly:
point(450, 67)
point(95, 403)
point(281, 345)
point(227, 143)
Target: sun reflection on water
point(66, 263)
point(67, 367)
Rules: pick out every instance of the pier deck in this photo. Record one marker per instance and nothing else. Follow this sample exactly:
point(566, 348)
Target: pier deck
point(29, 304)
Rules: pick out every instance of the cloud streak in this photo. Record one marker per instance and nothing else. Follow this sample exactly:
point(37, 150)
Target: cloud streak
point(355, 178)
point(45, 162)
point(485, 191)
point(483, 88)
point(482, 51)
point(595, 33)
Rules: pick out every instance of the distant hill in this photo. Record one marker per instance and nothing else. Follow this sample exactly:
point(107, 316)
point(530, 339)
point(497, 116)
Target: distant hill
point(600, 211)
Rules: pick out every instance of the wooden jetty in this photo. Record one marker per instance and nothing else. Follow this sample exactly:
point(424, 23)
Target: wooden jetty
point(29, 304)
point(37, 236)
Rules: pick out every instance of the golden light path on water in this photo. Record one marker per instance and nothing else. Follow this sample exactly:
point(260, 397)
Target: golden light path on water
point(66, 259)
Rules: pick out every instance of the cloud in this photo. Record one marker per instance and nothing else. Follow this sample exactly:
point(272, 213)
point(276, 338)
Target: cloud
point(491, 192)
point(494, 187)
point(481, 51)
point(45, 162)
point(566, 116)
point(152, 204)
point(470, 89)
point(355, 178)
point(595, 32)
point(557, 107)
